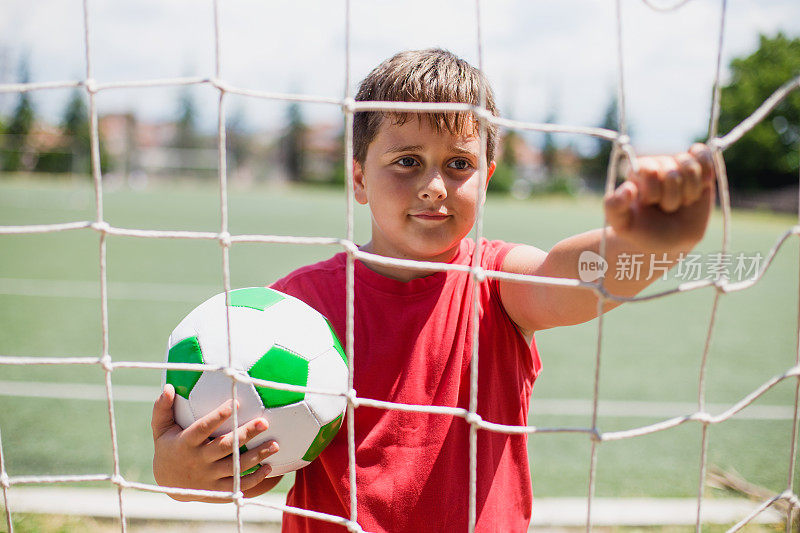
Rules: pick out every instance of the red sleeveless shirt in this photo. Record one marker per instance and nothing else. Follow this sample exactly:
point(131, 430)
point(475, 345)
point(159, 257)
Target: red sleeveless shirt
point(413, 345)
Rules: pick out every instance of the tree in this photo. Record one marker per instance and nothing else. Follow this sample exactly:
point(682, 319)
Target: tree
point(186, 135)
point(596, 167)
point(75, 154)
point(75, 127)
point(238, 142)
point(337, 174)
point(506, 171)
point(550, 150)
point(767, 156)
point(17, 156)
point(293, 144)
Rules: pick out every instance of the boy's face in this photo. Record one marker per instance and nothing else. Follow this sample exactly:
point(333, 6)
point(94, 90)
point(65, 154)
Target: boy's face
point(421, 186)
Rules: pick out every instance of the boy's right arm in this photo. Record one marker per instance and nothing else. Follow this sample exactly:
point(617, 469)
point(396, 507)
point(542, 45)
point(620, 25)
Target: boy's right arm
point(189, 458)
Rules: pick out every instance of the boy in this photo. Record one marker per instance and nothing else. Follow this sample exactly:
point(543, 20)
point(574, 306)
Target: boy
point(413, 328)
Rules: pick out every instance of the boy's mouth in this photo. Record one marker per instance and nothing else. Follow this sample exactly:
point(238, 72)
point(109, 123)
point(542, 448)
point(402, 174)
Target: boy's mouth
point(430, 215)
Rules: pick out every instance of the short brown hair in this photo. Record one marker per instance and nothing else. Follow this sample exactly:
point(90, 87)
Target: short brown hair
point(432, 75)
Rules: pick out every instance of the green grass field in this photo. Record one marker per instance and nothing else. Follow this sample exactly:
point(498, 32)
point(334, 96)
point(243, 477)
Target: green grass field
point(49, 306)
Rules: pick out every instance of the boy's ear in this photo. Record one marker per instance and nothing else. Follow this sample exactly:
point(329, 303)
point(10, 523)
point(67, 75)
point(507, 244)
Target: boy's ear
point(359, 184)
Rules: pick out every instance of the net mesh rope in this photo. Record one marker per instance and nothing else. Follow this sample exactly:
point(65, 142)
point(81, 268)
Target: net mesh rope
point(622, 149)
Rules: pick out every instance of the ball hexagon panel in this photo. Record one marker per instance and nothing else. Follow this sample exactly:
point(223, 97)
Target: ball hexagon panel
point(310, 340)
point(246, 347)
point(323, 438)
point(182, 412)
point(303, 430)
point(336, 344)
point(288, 467)
point(258, 298)
point(327, 371)
point(188, 326)
point(213, 389)
point(186, 351)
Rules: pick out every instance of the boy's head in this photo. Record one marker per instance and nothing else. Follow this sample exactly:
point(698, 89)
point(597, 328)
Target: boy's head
point(420, 172)
point(432, 75)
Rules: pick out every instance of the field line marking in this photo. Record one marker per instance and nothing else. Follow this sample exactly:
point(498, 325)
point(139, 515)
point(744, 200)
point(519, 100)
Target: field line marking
point(652, 409)
point(548, 511)
point(77, 201)
point(119, 290)
point(60, 390)
point(566, 407)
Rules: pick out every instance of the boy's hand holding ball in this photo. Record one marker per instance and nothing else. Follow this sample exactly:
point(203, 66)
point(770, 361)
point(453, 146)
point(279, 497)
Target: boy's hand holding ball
point(191, 459)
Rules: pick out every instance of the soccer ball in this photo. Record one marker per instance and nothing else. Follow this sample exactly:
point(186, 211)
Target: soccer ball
point(274, 337)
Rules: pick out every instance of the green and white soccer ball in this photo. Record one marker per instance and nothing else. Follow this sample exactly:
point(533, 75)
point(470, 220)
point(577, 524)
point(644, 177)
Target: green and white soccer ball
point(274, 337)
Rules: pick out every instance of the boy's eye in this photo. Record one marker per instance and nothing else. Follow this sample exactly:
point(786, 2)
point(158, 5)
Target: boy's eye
point(407, 161)
point(459, 164)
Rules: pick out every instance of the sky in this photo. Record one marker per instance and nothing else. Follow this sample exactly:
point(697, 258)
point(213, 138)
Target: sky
point(546, 59)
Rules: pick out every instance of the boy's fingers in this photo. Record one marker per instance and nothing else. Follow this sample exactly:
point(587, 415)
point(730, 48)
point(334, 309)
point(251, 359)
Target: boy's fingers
point(223, 446)
point(647, 181)
point(618, 204)
point(202, 429)
point(692, 173)
point(703, 155)
point(163, 418)
point(246, 482)
point(252, 458)
point(251, 480)
point(249, 459)
point(671, 184)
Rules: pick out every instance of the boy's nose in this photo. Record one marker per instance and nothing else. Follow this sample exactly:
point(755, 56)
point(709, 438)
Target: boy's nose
point(433, 187)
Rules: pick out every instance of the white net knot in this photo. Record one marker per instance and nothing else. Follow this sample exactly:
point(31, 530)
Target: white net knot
point(224, 238)
point(598, 288)
point(106, 363)
point(352, 398)
point(721, 284)
point(482, 113)
point(353, 526)
point(479, 274)
point(790, 497)
point(714, 144)
point(351, 248)
point(91, 85)
point(702, 417)
point(102, 226)
point(624, 139)
point(5, 481)
point(473, 418)
point(118, 480)
point(220, 85)
point(349, 104)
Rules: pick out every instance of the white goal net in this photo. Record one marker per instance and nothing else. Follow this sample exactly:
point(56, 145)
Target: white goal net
point(622, 150)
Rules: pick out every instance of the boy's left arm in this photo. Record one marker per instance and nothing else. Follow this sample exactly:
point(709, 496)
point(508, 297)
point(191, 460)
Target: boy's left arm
point(661, 211)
